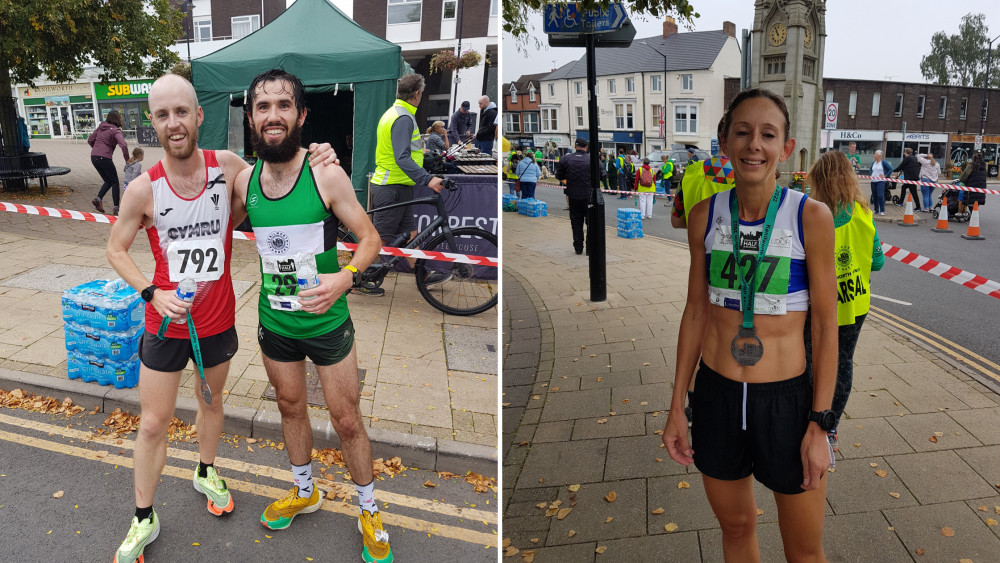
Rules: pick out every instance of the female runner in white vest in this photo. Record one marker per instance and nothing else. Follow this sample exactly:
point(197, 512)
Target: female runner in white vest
point(755, 415)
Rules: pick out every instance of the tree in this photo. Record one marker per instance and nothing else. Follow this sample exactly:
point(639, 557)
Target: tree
point(515, 12)
point(57, 38)
point(960, 60)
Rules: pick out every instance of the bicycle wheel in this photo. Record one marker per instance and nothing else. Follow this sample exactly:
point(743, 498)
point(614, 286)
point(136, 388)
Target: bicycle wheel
point(470, 289)
point(344, 256)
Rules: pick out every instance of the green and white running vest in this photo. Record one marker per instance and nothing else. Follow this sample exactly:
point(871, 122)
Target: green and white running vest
point(290, 230)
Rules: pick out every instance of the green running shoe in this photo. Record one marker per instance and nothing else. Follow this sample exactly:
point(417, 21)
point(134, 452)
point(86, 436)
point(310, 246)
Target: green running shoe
point(140, 534)
point(279, 514)
point(219, 500)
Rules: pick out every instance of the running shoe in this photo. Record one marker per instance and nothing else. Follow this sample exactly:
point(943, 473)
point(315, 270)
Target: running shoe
point(372, 291)
point(376, 539)
point(832, 437)
point(98, 205)
point(279, 514)
point(140, 534)
point(219, 500)
point(434, 278)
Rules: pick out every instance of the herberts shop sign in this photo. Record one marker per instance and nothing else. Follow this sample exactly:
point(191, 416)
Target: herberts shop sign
point(120, 90)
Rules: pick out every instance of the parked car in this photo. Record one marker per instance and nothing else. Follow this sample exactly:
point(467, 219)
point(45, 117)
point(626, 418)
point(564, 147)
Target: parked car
point(680, 158)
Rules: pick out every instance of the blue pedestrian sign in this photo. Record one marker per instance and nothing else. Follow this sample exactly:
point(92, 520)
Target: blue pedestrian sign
point(566, 18)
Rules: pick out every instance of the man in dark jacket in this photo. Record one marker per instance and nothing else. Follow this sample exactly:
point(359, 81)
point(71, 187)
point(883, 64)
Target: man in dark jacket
point(487, 125)
point(573, 170)
point(460, 125)
point(910, 168)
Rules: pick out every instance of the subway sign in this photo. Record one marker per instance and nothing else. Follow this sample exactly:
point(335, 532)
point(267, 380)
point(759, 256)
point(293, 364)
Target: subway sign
point(120, 90)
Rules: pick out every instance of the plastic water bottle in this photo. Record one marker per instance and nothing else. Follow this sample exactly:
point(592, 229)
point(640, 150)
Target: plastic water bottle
point(185, 292)
point(307, 279)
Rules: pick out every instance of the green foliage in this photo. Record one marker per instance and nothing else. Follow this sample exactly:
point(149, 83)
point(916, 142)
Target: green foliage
point(515, 12)
point(960, 59)
point(57, 38)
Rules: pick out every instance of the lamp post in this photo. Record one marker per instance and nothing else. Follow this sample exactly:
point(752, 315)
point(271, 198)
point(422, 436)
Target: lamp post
point(986, 87)
point(190, 9)
point(664, 86)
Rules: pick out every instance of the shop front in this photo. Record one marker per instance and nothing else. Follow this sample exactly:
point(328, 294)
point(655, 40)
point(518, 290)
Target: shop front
point(867, 142)
point(129, 98)
point(56, 111)
point(611, 141)
point(964, 146)
point(921, 143)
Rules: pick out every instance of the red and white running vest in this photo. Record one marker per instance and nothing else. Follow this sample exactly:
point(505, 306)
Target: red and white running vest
point(193, 238)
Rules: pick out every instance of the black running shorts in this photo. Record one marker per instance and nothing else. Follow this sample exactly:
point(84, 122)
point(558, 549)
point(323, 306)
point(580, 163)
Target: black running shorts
point(172, 354)
point(739, 429)
point(324, 350)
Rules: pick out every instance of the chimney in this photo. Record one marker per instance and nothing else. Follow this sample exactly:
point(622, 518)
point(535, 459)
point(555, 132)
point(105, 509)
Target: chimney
point(729, 28)
point(669, 26)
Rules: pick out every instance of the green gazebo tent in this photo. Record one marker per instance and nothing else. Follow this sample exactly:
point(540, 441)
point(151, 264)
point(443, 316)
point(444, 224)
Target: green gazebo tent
point(331, 54)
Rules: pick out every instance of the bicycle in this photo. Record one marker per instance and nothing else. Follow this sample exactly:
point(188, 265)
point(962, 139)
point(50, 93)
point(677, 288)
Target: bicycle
point(467, 289)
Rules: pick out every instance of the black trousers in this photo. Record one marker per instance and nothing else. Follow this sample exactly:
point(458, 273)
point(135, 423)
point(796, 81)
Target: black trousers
point(106, 168)
point(577, 216)
point(913, 190)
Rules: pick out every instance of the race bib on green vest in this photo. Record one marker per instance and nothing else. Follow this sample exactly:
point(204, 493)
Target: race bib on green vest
point(770, 278)
point(280, 280)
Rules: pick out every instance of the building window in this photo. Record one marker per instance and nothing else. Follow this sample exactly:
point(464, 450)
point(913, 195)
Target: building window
point(552, 90)
point(611, 86)
point(899, 105)
point(774, 66)
point(962, 108)
point(530, 122)
point(809, 68)
point(579, 116)
point(578, 88)
point(654, 121)
point(550, 119)
point(630, 84)
point(852, 104)
point(686, 118)
point(202, 28)
point(448, 9)
point(829, 96)
point(943, 107)
point(876, 100)
point(512, 124)
point(531, 93)
point(623, 116)
point(920, 106)
point(513, 94)
point(493, 8)
point(404, 11)
point(687, 82)
point(656, 83)
point(245, 25)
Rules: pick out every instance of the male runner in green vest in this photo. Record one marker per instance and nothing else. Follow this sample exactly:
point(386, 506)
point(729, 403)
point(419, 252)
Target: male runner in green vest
point(399, 160)
point(295, 213)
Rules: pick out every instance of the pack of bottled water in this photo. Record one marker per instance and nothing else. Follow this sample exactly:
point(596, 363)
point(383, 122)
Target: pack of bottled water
point(103, 322)
point(509, 202)
point(629, 222)
point(532, 207)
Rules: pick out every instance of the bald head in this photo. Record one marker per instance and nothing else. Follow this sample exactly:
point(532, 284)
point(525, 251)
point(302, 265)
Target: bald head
point(172, 86)
point(176, 116)
point(484, 102)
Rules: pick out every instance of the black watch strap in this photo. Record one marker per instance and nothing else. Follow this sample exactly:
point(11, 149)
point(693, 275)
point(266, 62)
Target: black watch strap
point(147, 294)
point(825, 419)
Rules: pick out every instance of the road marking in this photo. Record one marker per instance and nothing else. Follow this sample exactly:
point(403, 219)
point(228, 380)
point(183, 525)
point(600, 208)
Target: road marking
point(968, 357)
point(891, 300)
point(397, 499)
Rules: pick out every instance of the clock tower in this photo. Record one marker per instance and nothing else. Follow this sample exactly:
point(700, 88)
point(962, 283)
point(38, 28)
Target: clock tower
point(788, 47)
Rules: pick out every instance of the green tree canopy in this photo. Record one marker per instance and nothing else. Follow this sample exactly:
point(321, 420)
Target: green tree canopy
point(57, 38)
point(960, 59)
point(515, 12)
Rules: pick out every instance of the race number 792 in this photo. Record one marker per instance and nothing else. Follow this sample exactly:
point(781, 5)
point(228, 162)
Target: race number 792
point(200, 260)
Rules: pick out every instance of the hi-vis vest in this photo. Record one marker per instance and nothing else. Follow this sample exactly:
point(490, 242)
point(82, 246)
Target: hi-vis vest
point(386, 169)
point(853, 246)
point(697, 186)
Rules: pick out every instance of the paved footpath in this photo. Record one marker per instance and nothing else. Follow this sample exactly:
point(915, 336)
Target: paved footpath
point(429, 379)
point(587, 385)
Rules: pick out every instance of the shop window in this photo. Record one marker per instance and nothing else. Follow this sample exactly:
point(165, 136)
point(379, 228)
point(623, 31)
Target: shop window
point(403, 11)
point(876, 100)
point(245, 25)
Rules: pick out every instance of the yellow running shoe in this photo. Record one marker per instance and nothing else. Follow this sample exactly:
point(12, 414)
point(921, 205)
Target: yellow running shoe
point(279, 514)
point(376, 539)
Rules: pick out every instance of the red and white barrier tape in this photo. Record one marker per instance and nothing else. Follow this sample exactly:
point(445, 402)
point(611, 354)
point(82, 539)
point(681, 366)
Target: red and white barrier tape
point(942, 270)
point(921, 183)
point(386, 250)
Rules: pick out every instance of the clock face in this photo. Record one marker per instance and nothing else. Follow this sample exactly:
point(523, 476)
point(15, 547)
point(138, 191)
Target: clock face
point(809, 36)
point(777, 34)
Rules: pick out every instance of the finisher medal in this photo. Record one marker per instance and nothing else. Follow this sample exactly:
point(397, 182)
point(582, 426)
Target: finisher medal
point(751, 349)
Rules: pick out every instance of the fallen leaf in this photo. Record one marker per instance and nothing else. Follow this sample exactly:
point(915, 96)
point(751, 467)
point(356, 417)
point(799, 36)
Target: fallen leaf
point(251, 440)
point(601, 549)
point(919, 552)
point(534, 540)
point(873, 465)
point(600, 379)
point(683, 485)
point(556, 504)
point(881, 472)
point(939, 434)
point(947, 532)
point(535, 397)
point(611, 496)
point(506, 542)
point(601, 420)
point(563, 512)
point(671, 527)
point(511, 551)
point(894, 494)
point(196, 544)
point(573, 488)
point(610, 518)
point(965, 560)
point(659, 460)
point(57, 494)
point(645, 363)
point(643, 403)
point(760, 512)
point(872, 394)
point(981, 508)
point(658, 510)
point(570, 533)
point(933, 439)
point(551, 512)
point(857, 445)
point(991, 522)
point(428, 483)
point(658, 432)
point(542, 505)
point(528, 556)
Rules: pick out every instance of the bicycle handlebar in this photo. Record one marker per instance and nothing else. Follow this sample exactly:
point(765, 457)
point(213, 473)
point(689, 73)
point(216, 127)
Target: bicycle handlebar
point(448, 183)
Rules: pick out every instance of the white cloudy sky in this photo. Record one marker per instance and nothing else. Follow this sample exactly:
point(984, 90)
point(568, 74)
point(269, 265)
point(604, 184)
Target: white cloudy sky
point(867, 39)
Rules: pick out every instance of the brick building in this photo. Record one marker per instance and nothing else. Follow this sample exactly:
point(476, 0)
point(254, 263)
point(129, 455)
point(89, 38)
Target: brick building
point(520, 110)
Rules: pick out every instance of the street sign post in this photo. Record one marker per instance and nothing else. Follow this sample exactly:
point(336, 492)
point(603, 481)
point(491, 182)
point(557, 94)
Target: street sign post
point(831, 115)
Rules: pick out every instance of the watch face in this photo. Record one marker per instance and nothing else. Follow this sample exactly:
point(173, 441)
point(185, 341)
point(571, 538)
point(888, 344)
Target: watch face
point(827, 420)
point(777, 34)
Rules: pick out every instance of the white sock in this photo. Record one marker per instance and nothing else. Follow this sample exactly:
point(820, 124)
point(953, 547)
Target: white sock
point(303, 479)
point(366, 497)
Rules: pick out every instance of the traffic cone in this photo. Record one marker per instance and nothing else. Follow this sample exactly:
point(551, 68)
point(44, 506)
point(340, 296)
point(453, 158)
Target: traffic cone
point(942, 224)
point(973, 233)
point(908, 213)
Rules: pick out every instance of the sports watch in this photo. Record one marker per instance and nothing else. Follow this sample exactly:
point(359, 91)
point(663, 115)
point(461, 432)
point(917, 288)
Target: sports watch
point(354, 274)
point(147, 294)
point(825, 419)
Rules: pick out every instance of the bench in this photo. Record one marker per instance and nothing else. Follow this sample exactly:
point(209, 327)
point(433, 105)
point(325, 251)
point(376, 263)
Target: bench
point(27, 166)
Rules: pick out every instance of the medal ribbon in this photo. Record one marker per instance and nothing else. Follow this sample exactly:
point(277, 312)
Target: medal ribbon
point(748, 288)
